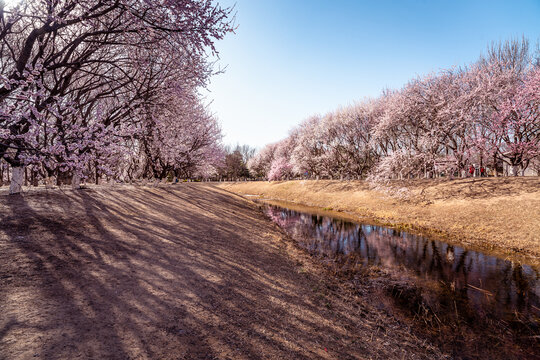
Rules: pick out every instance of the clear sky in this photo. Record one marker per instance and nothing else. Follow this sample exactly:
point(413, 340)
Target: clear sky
point(290, 59)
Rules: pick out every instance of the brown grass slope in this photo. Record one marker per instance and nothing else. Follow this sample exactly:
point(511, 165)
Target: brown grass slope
point(178, 272)
point(499, 215)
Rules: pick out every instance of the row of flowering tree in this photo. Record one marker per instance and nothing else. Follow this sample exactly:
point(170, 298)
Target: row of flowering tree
point(484, 115)
point(93, 87)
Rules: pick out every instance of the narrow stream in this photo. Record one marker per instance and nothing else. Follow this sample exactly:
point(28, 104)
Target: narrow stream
point(483, 285)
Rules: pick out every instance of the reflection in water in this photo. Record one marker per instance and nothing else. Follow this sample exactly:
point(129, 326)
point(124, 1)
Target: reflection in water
point(485, 284)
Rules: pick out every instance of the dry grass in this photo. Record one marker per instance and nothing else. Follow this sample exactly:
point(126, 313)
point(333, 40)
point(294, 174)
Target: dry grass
point(497, 215)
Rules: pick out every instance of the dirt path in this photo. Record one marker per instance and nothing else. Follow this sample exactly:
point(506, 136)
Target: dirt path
point(181, 272)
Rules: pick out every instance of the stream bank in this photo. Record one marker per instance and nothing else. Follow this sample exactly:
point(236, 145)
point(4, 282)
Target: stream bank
point(497, 216)
point(472, 304)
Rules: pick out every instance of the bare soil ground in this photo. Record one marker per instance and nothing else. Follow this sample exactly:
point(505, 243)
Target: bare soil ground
point(185, 271)
point(496, 215)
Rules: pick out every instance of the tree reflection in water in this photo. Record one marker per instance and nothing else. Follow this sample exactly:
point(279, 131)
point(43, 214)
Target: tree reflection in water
point(484, 284)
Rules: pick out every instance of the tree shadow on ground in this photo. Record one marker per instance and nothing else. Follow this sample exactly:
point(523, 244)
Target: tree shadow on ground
point(176, 272)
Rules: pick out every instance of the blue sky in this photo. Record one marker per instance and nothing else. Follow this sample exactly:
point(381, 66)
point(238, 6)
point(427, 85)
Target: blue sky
point(290, 59)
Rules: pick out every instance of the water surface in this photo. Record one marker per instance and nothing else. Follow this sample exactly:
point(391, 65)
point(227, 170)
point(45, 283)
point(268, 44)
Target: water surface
point(482, 283)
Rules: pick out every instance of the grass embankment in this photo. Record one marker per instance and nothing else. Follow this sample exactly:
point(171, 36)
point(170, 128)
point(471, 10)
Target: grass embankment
point(497, 215)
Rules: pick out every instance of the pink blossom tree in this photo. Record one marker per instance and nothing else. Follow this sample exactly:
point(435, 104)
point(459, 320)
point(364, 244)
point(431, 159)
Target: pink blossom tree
point(349, 132)
point(280, 169)
point(179, 136)
point(505, 106)
point(310, 154)
point(70, 70)
point(260, 164)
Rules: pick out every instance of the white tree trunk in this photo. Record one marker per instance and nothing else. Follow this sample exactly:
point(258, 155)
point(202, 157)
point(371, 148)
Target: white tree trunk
point(49, 182)
point(17, 179)
point(76, 181)
point(515, 170)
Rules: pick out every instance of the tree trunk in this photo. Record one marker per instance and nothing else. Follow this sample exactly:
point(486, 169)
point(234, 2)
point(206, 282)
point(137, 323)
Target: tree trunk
point(17, 178)
point(49, 182)
point(76, 181)
point(35, 181)
point(524, 166)
point(514, 170)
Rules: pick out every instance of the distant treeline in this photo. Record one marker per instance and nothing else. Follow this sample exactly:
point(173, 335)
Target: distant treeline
point(486, 115)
